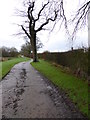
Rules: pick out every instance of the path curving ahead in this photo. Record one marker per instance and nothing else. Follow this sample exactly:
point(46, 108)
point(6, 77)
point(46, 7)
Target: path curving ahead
point(27, 94)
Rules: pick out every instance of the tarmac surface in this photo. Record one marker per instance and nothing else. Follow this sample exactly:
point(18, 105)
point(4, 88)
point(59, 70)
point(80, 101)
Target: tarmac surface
point(25, 93)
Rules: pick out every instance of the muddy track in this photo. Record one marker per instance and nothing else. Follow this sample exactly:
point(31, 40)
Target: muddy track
point(27, 94)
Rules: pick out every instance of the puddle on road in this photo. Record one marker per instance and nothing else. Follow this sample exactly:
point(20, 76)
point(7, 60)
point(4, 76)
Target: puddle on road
point(12, 102)
point(19, 90)
point(23, 74)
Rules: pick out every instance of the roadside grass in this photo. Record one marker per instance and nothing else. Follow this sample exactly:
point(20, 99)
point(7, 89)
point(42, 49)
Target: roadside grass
point(6, 66)
point(75, 88)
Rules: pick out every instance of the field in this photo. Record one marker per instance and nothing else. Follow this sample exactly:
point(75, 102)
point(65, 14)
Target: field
point(5, 66)
point(75, 88)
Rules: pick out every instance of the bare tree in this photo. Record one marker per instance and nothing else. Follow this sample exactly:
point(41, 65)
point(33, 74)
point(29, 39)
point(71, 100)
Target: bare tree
point(39, 14)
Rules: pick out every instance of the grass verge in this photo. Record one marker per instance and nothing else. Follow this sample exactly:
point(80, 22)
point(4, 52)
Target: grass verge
point(6, 66)
point(76, 89)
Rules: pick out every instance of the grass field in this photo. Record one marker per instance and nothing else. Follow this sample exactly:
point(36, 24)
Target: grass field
point(7, 65)
point(76, 89)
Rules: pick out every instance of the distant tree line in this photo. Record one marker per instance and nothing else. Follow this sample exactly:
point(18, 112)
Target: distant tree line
point(8, 52)
point(26, 50)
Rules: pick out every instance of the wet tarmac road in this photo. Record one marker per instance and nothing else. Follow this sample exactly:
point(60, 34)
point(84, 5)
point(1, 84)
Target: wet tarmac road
point(27, 94)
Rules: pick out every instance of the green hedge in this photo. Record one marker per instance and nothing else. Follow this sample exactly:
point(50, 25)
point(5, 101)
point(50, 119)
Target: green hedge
point(76, 60)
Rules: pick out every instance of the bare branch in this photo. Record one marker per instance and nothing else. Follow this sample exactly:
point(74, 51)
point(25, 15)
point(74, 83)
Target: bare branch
point(62, 13)
point(81, 17)
point(47, 21)
point(25, 32)
point(30, 10)
point(39, 14)
point(18, 34)
point(20, 13)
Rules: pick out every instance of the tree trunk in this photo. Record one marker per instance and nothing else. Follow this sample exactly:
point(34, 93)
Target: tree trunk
point(34, 49)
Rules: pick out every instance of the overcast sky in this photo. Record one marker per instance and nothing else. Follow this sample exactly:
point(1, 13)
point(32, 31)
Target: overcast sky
point(56, 41)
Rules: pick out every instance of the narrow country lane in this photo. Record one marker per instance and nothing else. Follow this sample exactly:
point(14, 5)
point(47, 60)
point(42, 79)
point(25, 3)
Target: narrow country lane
point(27, 94)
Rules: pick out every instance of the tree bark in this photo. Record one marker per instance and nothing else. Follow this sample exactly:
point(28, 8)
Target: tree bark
point(34, 48)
